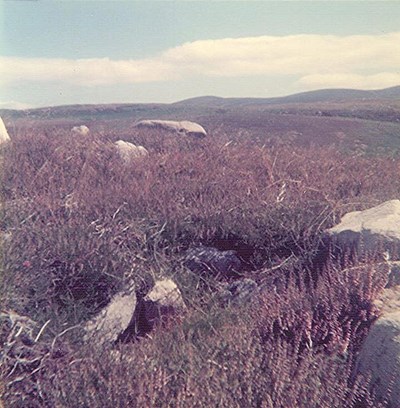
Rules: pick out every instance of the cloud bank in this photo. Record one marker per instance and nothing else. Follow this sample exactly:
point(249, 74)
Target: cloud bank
point(14, 105)
point(363, 61)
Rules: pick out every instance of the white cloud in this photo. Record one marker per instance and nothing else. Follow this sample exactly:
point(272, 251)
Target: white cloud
point(319, 60)
point(85, 72)
point(288, 55)
point(14, 105)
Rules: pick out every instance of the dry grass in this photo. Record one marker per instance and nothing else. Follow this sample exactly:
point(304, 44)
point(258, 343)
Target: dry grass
point(82, 225)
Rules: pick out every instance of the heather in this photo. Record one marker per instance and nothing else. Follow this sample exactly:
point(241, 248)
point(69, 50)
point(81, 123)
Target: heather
point(82, 225)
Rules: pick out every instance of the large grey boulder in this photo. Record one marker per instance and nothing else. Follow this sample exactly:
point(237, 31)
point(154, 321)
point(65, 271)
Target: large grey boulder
point(113, 320)
point(208, 260)
point(182, 127)
point(129, 152)
point(375, 231)
point(4, 137)
point(377, 225)
point(379, 357)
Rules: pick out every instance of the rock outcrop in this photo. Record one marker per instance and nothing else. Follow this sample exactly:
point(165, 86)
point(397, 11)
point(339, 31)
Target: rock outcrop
point(182, 127)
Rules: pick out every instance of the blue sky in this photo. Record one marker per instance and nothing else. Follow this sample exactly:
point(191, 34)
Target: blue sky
point(65, 52)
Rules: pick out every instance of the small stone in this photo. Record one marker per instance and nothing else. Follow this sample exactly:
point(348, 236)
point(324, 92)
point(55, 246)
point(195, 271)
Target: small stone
point(210, 260)
point(240, 291)
point(113, 320)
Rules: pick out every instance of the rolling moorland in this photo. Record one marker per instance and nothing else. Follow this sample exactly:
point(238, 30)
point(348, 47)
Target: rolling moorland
point(365, 120)
point(270, 177)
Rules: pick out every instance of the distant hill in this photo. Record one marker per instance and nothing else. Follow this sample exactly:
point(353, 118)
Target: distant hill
point(206, 101)
point(322, 95)
point(353, 120)
point(377, 105)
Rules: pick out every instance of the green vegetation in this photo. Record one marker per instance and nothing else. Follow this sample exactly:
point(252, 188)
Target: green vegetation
point(82, 225)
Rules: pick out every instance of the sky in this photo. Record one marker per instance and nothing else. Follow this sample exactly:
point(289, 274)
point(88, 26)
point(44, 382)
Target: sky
point(77, 52)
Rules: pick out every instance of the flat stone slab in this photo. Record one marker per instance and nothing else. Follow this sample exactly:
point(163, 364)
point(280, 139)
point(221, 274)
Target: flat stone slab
point(183, 127)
